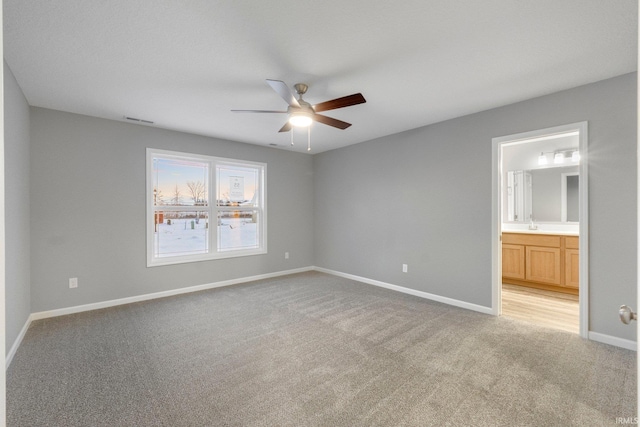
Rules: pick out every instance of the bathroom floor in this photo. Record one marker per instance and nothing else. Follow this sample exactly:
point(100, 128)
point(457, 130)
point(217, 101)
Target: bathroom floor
point(546, 308)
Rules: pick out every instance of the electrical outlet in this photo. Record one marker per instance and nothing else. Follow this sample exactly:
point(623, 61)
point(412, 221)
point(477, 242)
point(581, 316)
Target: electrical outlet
point(286, 255)
point(405, 268)
point(73, 282)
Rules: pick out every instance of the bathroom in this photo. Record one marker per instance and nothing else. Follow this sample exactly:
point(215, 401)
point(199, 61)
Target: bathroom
point(541, 230)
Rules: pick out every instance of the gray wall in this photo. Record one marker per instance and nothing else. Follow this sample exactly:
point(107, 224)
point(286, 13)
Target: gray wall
point(17, 231)
point(423, 198)
point(88, 210)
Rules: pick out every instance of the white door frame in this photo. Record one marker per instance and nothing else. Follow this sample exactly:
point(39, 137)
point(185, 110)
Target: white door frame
point(638, 213)
point(496, 215)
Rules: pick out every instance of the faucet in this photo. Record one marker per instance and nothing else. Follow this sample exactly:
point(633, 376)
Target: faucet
point(532, 226)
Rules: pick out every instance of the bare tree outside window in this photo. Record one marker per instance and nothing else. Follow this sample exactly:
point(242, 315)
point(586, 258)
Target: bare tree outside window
point(176, 199)
point(197, 190)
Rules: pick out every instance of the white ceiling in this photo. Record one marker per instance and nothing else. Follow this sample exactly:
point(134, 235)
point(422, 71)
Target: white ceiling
point(186, 64)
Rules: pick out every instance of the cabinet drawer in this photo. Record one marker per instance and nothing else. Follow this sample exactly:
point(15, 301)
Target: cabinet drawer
point(546, 240)
point(572, 242)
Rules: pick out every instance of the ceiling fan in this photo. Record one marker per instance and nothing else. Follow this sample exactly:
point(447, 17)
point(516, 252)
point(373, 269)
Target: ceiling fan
point(301, 113)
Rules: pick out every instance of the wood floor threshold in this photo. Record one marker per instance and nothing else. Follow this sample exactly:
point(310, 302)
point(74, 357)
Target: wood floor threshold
point(542, 307)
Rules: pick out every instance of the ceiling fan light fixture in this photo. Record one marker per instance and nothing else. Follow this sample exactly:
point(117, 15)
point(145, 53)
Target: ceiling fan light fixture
point(302, 114)
point(300, 119)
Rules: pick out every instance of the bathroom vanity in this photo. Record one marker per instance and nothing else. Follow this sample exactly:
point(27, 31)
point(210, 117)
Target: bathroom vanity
point(544, 260)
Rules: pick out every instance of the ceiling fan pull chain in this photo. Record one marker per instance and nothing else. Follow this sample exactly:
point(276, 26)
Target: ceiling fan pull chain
point(291, 136)
point(309, 138)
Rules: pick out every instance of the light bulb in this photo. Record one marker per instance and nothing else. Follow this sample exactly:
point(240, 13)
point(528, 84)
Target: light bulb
point(575, 156)
point(542, 159)
point(300, 119)
point(558, 158)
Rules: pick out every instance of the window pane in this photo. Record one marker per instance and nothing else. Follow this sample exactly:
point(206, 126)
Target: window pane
point(180, 209)
point(237, 186)
point(178, 182)
point(181, 233)
point(238, 230)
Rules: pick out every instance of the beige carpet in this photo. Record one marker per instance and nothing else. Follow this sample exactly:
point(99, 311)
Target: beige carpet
point(311, 350)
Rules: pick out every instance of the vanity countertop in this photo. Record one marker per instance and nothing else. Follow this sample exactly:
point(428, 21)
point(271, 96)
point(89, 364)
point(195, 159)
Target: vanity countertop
point(542, 231)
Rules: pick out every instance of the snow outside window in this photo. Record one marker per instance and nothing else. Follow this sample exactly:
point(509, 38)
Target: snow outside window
point(202, 207)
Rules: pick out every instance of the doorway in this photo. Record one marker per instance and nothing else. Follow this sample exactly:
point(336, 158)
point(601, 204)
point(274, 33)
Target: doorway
point(543, 249)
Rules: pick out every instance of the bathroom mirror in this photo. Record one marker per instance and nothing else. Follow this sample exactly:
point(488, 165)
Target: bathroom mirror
point(542, 195)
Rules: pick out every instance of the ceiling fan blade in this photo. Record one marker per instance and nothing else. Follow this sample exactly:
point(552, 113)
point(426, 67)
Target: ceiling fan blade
point(345, 101)
point(285, 128)
point(283, 90)
point(257, 111)
point(331, 121)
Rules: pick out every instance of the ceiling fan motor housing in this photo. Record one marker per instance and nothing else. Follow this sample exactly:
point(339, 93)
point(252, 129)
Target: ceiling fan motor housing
point(301, 88)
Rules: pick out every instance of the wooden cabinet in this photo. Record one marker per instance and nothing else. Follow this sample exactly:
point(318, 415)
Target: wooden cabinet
point(571, 268)
point(543, 265)
point(513, 261)
point(544, 261)
point(571, 262)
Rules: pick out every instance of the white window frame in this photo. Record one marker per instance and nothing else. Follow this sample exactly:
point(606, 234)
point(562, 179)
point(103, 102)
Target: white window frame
point(212, 209)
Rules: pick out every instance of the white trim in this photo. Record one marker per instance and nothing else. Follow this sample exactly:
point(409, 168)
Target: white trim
point(496, 212)
point(496, 228)
point(607, 339)
point(121, 301)
point(421, 294)
point(638, 210)
point(618, 342)
point(583, 209)
point(3, 249)
point(211, 252)
point(18, 341)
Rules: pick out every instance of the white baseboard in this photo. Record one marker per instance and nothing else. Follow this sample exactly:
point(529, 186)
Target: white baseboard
point(594, 336)
point(111, 303)
point(421, 294)
point(607, 339)
point(618, 342)
point(17, 342)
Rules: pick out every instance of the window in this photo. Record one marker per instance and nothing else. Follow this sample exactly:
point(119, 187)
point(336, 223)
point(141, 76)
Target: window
point(185, 192)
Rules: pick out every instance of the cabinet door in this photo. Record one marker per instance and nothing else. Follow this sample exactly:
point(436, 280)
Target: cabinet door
point(513, 262)
point(543, 265)
point(572, 268)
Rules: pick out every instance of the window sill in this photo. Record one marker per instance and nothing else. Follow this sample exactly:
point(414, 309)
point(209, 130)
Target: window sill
point(202, 258)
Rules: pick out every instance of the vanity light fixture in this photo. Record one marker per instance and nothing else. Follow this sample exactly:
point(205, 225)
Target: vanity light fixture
point(575, 156)
point(558, 158)
point(542, 159)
